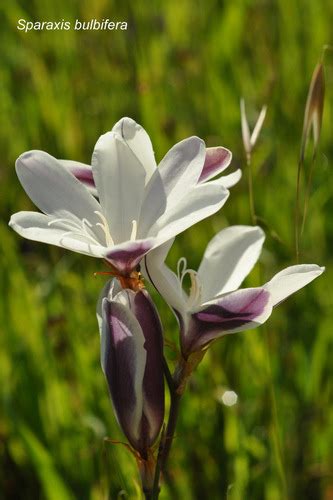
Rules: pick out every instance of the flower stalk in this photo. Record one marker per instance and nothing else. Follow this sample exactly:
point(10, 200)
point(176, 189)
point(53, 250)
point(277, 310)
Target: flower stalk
point(175, 398)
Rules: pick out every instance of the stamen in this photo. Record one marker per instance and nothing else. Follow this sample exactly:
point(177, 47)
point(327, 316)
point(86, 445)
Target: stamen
point(76, 229)
point(79, 233)
point(195, 290)
point(106, 273)
point(105, 227)
point(69, 223)
point(86, 222)
point(134, 230)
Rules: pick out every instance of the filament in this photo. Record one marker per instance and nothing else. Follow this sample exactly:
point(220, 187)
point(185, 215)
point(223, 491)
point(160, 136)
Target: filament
point(84, 227)
point(105, 227)
point(134, 230)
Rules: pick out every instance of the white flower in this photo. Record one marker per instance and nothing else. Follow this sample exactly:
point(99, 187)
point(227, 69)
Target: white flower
point(215, 306)
point(139, 206)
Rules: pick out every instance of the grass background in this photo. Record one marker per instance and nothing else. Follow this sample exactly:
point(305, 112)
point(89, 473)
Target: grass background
point(179, 70)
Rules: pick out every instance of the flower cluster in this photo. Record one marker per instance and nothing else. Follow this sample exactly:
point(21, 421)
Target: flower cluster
point(127, 210)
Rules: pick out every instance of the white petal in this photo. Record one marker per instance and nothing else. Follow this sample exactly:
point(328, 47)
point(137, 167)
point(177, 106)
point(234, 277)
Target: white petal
point(200, 202)
point(52, 187)
point(120, 179)
point(177, 173)
point(230, 180)
point(291, 279)
point(160, 253)
point(228, 259)
point(139, 142)
point(105, 293)
point(35, 226)
point(162, 278)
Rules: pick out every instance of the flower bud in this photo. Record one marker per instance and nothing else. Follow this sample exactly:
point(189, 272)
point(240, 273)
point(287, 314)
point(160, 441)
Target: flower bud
point(132, 361)
point(314, 107)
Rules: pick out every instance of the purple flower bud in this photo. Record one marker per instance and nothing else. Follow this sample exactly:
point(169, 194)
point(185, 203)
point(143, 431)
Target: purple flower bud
point(132, 361)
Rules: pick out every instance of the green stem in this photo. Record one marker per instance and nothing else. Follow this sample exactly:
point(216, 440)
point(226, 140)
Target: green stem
point(297, 214)
point(173, 416)
point(277, 446)
point(156, 484)
point(171, 427)
point(276, 438)
point(250, 187)
point(308, 188)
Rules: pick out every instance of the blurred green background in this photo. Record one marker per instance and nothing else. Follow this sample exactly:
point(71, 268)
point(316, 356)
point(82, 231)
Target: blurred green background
point(179, 69)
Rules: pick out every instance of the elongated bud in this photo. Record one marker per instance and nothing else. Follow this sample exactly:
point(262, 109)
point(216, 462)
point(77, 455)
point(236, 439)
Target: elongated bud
point(249, 140)
point(132, 361)
point(314, 109)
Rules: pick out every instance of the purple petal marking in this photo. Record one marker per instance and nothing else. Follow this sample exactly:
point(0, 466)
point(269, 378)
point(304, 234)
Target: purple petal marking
point(153, 381)
point(217, 160)
point(237, 308)
point(119, 363)
point(126, 256)
point(231, 312)
point(84, 174)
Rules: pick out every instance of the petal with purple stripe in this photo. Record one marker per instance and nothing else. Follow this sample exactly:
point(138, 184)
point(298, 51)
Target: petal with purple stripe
point(234, 312)
point(82, 172)
point(125, 257)
point(216, 160)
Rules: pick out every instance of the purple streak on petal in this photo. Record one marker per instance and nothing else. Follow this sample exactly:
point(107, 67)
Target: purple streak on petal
point(153, 381)
point(217, 160)
point(126, 256)
point(230, 312)
point(84, 175)
point(241, 306)
point(119, 355)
